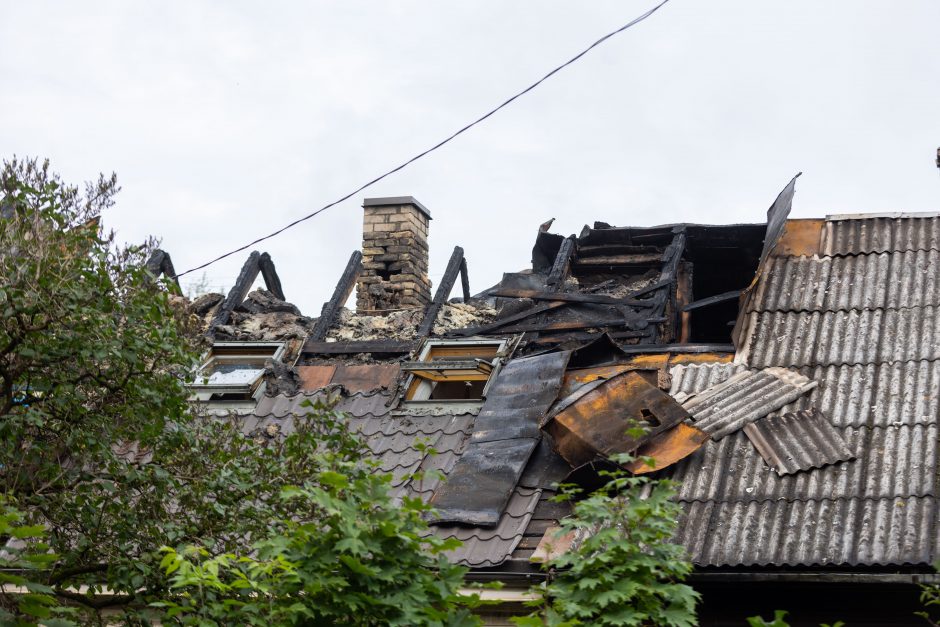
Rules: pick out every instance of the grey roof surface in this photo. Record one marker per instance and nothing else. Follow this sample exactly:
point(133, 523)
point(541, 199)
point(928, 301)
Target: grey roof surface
point(877, 235)
point(872, 348)
point(392, 438)
point(743, 398)
point(799, 440)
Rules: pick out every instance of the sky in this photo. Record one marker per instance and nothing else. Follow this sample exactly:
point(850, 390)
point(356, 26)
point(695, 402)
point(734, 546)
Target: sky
point(227, 120)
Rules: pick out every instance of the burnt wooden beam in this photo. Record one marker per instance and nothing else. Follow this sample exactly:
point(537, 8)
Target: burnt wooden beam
point(271, 280)
point(160, 263)
point(443, 292)
point(246, 277)
point(575, 297)
point(464, 280)
point(385, 347)
point(340, 295)
point(638, 323)
point(562, 264)
point(711, 300)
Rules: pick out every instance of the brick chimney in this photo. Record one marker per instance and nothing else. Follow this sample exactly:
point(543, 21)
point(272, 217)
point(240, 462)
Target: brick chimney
point(394, 255)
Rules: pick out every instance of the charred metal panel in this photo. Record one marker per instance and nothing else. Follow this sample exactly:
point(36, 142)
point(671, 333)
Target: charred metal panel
point(479, 486)
point(519, 397)
point(505, 433)
point(743, 398)
point(797, 441)
point(777, 218)
point(546, 467)
point(596, 424)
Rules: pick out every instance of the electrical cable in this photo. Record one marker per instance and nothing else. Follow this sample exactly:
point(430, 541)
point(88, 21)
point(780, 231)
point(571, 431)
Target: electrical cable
point(441, 143)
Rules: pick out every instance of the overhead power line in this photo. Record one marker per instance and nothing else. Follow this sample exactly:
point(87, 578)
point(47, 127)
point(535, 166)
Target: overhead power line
point(441, 143)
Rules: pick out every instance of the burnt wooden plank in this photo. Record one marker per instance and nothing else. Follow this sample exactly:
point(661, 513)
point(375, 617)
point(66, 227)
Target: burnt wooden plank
point(711, 300)
point(160, 263)
point(246, 277)
point(566, 325)
point(465, 281)
point(646, 260)
point(269, 274)
point(443, 292)
point(340, 295)
point(562, 264)
point(599, 299)
point(388, 347)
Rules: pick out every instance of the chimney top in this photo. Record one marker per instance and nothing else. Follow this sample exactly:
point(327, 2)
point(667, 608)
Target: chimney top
point(396, 200)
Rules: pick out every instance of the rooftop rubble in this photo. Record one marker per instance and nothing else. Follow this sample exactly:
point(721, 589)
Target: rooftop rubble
point(773, 421)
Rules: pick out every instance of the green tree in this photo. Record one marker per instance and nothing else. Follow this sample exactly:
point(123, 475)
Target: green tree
point(99, 447)
point(625, 570)
point(355, 558)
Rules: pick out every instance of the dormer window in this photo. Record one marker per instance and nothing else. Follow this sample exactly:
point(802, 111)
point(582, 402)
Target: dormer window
point(457, 370)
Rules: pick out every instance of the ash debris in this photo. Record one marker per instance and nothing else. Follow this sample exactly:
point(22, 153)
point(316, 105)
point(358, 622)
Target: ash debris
point(261, 317)
point(403, 324)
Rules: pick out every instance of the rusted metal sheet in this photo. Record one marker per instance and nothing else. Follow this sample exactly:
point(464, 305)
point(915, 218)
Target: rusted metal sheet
point(667, 448)
point(506, 431)
point(366, 377)
point(801, 238)
point(575, 379)
point(743, 398)
point(596, 423)
point(798, 441)
point(315, 377)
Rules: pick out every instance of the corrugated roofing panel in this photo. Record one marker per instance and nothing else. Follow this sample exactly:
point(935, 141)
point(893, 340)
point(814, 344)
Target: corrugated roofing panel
point(891, 462)
point(844, 337)
point(878, 235)
point(807, 533)
point(392, 440)
point(798, 441)
point(743, 398)
point(887, 280)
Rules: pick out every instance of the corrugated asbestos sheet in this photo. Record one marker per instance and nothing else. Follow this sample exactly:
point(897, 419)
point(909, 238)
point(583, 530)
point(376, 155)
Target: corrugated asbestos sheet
point(886, 280)
point(862, 321)
point(879, 235)
point(743, 398)
point(392, 440)
point(800, 440)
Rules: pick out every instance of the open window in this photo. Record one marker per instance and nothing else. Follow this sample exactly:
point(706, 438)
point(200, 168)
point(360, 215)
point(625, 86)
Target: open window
point(232, 375)
point(453, 370)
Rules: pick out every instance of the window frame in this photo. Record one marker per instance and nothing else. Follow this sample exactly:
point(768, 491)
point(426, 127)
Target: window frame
point(421, 394)
point(241, 395)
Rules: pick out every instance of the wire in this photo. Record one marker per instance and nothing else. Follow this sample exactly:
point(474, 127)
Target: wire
point(441, 143)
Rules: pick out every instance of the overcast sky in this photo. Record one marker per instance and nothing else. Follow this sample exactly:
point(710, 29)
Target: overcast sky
point(225, 120)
